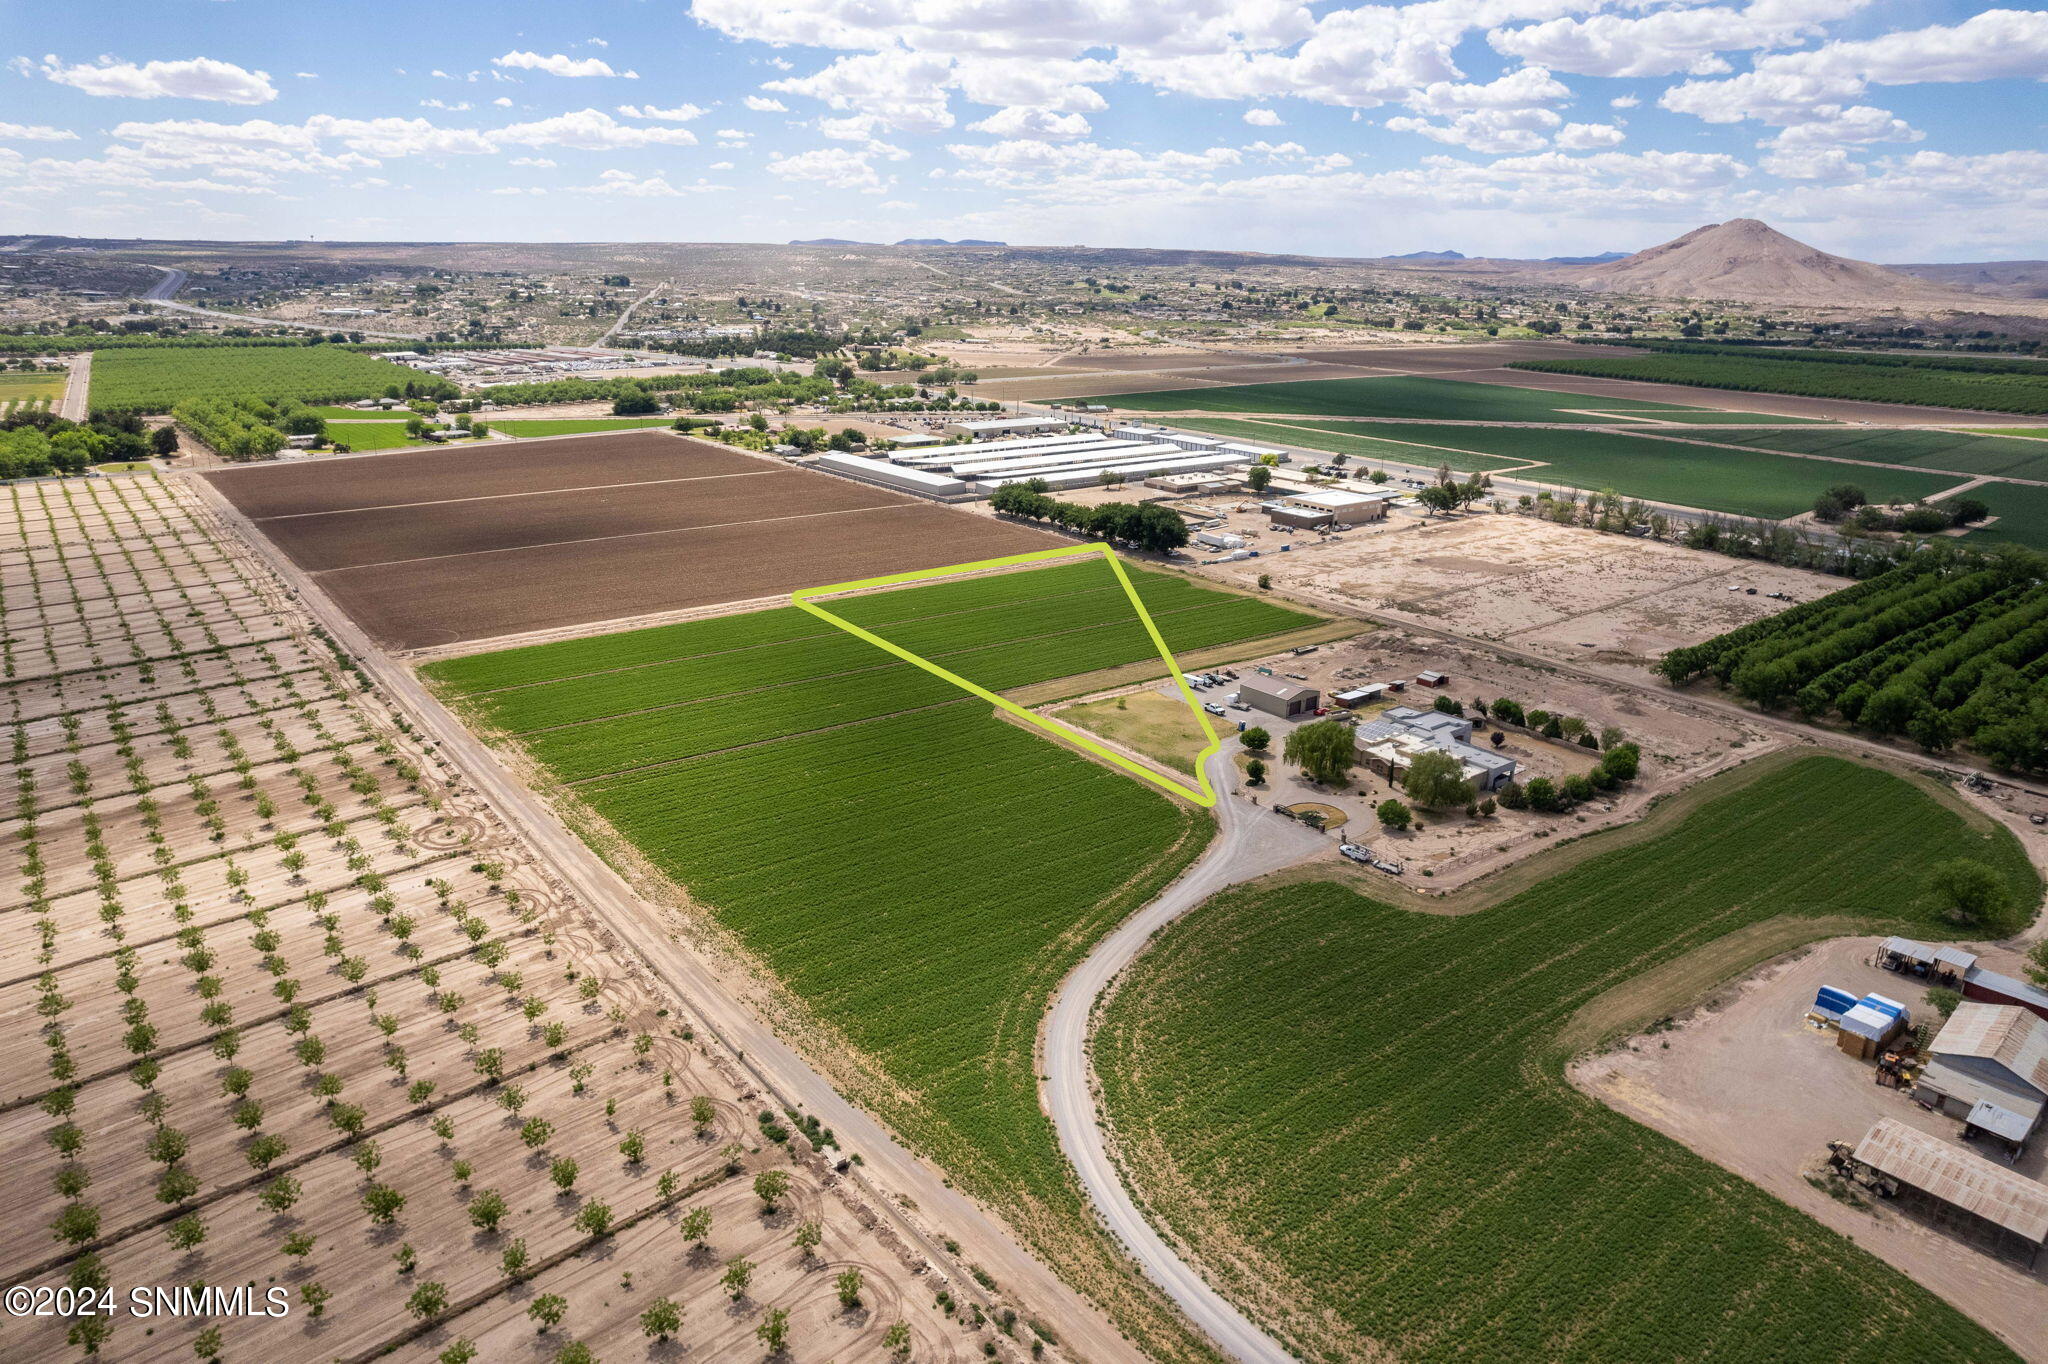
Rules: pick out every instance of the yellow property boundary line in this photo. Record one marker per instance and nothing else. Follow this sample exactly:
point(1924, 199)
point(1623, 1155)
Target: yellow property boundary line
point(1204, 797)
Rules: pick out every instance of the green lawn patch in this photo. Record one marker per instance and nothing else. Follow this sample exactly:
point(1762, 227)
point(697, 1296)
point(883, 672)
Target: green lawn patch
point(1371, 1099)
point(2023, 432)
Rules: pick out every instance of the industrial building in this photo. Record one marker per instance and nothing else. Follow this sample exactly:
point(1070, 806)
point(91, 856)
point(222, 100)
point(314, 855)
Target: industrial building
point(1334, 507)
point(991, 428)
point(2008, 1210)
point(1989, 1067)
point(1275, 697)
point(1390, 743)
point(883, 474)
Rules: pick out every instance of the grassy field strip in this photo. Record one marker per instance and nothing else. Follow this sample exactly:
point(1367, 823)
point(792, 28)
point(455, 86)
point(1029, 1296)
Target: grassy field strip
point(570, 426)
point(1337, 1169)
point(1384, 396)
point(1950, 451)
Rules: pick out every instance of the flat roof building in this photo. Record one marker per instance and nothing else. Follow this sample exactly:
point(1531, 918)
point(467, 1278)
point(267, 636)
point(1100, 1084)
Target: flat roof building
point(1390, 743)
point(989, 428)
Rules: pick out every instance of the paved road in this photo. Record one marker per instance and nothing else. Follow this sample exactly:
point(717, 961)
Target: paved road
point(76, 388)
point(162, 293)
point(166, 289)
point(889, 1169)
point(627, 315)
point(1250, 841)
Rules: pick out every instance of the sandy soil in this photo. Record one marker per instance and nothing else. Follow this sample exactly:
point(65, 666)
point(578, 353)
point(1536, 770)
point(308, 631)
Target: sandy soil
point(1564, 591)
point(1748, 1084)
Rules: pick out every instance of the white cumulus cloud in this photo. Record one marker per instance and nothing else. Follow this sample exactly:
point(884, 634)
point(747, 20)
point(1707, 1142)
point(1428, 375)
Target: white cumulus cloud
point(198, 78)
point(559, 64)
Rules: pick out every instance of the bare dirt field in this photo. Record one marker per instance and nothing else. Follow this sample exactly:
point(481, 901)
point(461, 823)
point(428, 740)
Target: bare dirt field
point(428, 550)
point(311, 1018)
point(1747, 1083)
point(1568, 592)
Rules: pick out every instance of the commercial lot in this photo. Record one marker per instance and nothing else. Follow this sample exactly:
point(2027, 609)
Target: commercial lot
point(434, 549)
point(1749, 1085)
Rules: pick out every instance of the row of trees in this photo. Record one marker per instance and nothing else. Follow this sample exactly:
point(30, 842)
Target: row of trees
point(1847, 503)
point(1946, 649)
point(1148, 526)
point(35, 443)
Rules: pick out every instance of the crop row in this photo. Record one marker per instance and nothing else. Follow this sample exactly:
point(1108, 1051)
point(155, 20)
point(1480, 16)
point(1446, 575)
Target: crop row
point(1280, 1063)
point(1866, 382)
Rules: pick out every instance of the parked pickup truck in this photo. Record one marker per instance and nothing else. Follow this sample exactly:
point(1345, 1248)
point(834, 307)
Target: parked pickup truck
point(1357, 852)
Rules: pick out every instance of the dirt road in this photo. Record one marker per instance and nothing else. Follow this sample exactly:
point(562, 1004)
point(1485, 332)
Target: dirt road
point(1250, 841)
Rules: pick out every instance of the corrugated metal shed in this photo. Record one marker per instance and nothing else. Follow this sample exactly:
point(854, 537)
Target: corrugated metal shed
point(1955, 1176)
point(2000, 1122)
point(2010, 1036)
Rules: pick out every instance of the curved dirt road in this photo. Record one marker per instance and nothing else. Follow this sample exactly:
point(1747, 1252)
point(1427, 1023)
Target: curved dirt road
point(1249, 842)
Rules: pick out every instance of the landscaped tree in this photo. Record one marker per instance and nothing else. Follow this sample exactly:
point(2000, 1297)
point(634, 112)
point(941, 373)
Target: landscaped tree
point(1255, 738)
point(1968, 891)
point(1255, 771)
point(769, 1187)
point(662, 1319)
point(1542, 795)
point(1436, 782)
point(1258, 478)
point(1394, 814)
point(1324, 750)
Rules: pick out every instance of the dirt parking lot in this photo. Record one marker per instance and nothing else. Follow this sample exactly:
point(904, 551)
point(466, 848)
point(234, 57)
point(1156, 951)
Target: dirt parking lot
point(1748, 1084)
point(434, 549)
point(1573, 594)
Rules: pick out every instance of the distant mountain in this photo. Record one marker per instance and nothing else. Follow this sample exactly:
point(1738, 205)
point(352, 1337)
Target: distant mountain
point(1751, 261)
point(941, 241)
point(831, 241)
point(1429, 255)
point(1998, 278)
point(1601, 259)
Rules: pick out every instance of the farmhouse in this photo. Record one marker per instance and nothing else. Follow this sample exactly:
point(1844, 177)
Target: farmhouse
point(1989, 1067)
point(1275, 697)
point(2012, 1210)
point(1390, 744)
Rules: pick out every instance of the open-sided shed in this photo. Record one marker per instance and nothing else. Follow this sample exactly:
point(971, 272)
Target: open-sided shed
point(2011, 1209)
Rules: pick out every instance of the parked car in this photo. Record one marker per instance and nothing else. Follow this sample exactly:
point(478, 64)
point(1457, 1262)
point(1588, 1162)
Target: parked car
point(1357, 852)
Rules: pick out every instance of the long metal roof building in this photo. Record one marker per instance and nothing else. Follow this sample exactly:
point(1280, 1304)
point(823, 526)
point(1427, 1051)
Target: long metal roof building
point(1945, 1171)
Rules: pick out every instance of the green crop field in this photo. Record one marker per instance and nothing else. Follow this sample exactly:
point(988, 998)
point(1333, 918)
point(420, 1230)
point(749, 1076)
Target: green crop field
point(572, 427)
point(359, 414)
point(1394, 396)
point(2013, 386)
point(1336, 438)
point(2022, 512)
point(1360, 1112)
point(18, 389)
point(361, 436)
point(918, 872)
point(1720, 478)
point(155, 380)
point(2024, 432)
point(1968, 454)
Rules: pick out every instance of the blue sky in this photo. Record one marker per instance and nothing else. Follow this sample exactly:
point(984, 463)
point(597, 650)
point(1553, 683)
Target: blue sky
point(1890, 129)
